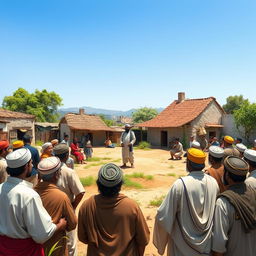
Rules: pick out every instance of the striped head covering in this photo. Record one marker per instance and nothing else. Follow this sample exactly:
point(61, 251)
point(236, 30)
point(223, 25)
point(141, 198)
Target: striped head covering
point(236, 165)
point(110, 175)
point(49, 165)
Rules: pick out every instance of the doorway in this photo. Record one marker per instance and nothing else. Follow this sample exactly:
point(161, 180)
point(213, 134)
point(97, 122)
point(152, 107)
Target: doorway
point(164, 139)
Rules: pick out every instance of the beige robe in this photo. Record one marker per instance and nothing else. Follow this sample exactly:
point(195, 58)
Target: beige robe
point(112, 226)
point(229, 237)
point(126, 139)
point(174, 226)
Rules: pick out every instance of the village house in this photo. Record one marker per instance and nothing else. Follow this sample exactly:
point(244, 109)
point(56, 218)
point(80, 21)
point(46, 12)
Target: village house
point(13, 125)
point(46, 131)
point(81, 124)
point(183, 118)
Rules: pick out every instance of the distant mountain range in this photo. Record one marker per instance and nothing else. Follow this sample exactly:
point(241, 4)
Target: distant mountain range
point(97, 111)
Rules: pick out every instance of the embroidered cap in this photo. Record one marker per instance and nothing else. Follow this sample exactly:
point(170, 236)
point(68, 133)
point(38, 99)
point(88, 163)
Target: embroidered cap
point(241, 147)
point(250, 154)
point(216, 151)
point(18, 158)
point(236, 165)
point(49, 165)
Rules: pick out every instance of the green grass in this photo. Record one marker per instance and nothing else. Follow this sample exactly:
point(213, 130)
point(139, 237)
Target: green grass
point(157, 201)
point(93, 159)
point(94, 164)
point(171, 174)
point(88, 181)
point(131, 184)
point(140, 175)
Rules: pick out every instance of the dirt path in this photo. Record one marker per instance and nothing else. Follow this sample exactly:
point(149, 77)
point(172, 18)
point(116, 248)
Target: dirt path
point(150, 162)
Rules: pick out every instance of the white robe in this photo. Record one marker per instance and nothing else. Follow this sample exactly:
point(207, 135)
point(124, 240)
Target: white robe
point(251, 180)
point(174, 225)
point(126, 139)
point(22, 212)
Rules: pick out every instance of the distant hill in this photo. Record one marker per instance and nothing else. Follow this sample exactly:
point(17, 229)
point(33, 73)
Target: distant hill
point(111, 114)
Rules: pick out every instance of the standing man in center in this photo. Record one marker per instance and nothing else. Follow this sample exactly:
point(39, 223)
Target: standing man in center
point(184, 219)
point(127, 141)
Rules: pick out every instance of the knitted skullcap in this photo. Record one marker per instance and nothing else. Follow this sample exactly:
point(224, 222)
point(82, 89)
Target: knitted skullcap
point(236, 165)
point(250, 154)
point(216, 151)
point(196, 155)
point(49, 165)
point(241, 147)
point(18, 158)
point(60, 149)
point(110, 175)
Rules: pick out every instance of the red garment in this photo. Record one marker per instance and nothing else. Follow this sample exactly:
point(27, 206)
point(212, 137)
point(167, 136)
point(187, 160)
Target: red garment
point(75, 151)
point(20, 247)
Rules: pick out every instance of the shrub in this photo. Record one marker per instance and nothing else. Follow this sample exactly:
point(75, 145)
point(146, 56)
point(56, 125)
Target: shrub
point(39, 143)
point(144, 145)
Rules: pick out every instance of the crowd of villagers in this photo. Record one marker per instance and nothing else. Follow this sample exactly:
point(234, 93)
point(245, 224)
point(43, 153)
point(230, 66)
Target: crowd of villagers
point(211, 211)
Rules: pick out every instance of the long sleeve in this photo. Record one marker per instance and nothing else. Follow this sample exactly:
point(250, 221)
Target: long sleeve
point(133, 138)
point(164, 220)
point(220, 227)
point(38, 222)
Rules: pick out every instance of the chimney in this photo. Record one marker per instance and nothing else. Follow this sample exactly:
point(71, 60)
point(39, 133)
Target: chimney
point(81, 111)
point(181, 96)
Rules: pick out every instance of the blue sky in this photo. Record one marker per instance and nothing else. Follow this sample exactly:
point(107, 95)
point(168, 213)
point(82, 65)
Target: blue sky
point(128, 53)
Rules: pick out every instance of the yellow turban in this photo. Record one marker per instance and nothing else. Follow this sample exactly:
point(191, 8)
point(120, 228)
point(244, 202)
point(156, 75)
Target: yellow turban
point(18, 144)
point(229, 139)
point(196, 155)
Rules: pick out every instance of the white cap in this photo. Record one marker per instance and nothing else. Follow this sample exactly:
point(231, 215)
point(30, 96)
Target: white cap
point(127, 126)
point(18, 158)
point(45, 146)
point(241, 147)
point(49, 165)
point(250, 154)
point(216, 151)
point(195, 144)
point(254, 142)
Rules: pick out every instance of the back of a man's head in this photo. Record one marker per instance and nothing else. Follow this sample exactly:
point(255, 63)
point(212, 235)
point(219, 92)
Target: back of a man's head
point(27, 139)
point(110, 180)
point(236, 169)
point(195, 159)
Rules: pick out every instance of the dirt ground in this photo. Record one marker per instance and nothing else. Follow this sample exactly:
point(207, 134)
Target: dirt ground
point(150, 162)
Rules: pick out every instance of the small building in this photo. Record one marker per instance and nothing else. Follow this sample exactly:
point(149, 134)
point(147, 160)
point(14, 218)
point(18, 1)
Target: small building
point(78, 125)
point(13, 125)
point(46, 131)
point(183, 118)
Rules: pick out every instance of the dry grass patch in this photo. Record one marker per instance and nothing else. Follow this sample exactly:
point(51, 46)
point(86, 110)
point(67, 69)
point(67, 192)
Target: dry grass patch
point(157, 201)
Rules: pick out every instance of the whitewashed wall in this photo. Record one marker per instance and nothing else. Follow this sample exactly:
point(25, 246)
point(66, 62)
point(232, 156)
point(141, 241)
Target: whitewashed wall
point(64, 129)
point(230, 128)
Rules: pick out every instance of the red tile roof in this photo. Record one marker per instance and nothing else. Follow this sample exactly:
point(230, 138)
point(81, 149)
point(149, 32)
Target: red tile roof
point(12, 114)
point(85, 122)
point(178, 114)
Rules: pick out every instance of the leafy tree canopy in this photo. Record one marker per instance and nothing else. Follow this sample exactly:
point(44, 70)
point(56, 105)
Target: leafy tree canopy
point(108, 122)
point(234, 103)
point(42, 104)
point(144, 114)
point(245, 118)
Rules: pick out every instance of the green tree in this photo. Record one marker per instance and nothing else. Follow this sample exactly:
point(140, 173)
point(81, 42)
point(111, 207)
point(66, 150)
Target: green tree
point(42, 104)
point(234, 103)
point(245, 119)
point(108, 122)
point(144, 114)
